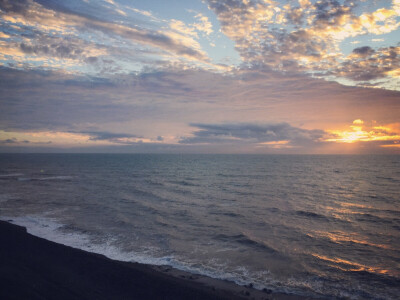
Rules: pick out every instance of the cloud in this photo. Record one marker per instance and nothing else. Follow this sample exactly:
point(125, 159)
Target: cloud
point(54, 100)
point(119, 138)
point(128, 109)
point(85, 74)
point(302, 38)
point(101, 136)
point(262, 134)
point(3, 35)
point(63, 48)
point(13, 142)
point(365, 63)
point(260, 30)
point(142, 12)
point(152, 38)
point(374, 134)
point(331, 13)
point(188, 34)
point(72, 138)
point(100, 38)
point(47, 24)
point(203, 24)
point(362, 51)
point(14, 6)
point(9, 141)
point(181, 27)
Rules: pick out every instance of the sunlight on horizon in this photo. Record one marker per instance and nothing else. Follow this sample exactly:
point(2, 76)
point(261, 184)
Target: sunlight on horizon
point(362, 133)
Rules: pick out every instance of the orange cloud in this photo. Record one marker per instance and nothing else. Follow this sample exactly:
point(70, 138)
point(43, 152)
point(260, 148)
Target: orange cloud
point(388, 134)
point(277, 144)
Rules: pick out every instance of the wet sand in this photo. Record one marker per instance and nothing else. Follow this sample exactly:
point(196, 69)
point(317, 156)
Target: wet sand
point(35, 268)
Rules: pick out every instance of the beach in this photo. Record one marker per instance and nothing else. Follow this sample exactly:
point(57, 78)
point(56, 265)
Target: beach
point(35, 268)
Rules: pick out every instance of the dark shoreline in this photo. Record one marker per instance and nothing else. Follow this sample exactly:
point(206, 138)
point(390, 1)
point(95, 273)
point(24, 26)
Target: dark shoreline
point(35, 268)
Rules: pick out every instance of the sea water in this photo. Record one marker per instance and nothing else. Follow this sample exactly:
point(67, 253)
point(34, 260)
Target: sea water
point(308, 225)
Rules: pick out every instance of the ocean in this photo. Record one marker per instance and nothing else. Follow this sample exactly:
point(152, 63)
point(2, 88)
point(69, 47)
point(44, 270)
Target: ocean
point(316, 225)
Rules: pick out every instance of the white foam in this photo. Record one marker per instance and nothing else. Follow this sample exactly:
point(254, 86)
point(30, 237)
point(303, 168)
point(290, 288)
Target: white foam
point(52, 230)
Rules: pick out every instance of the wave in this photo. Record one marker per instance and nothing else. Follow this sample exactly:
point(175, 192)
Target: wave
point(246, 240)
point(6, 176)
point(6, 197)
point(226, 213)
point(154, 182)
point(387, 178)
point(366, 217)
point(310, 214)
point(55, 231)
point(364, 213)
point(341, 237)
point(351, 266)
point(183, 183)
point(56, 178)
point(52, 230)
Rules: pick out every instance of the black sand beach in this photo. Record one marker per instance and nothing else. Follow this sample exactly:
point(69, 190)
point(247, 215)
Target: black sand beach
point(35, 268)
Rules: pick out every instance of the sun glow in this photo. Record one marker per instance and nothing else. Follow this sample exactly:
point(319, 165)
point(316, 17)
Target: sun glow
point(361, 133)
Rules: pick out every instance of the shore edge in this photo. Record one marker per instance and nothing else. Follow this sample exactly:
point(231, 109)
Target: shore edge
point(35, 268)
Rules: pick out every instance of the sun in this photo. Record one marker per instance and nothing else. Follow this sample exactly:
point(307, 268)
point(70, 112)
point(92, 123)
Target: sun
point(361, 133)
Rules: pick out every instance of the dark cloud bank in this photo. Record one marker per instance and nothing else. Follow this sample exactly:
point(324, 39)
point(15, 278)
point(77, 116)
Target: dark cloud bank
point(253, 133)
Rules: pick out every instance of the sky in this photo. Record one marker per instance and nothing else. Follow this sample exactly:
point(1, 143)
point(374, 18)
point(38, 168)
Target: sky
point(200, 76)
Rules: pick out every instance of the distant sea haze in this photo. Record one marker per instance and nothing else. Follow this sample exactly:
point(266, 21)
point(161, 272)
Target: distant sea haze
point(308, 225)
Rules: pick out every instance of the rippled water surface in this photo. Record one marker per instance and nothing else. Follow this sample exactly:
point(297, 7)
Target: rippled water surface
point(310, 225)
